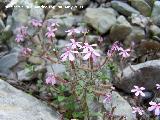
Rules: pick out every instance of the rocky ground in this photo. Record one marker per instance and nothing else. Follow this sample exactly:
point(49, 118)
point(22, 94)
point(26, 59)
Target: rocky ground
point(131, 22)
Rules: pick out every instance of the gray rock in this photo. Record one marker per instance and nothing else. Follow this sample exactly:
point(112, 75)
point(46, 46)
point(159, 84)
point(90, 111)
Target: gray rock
point(20, 17)
point(142, 6)
point(155, 30)
point(9, 21)
point(83, 2)
point(121, 29)
point(58, 11)
point(90, 39)
point(155, 13)
point(101, 1)
point(140, 20)
point(27, 74)
point(2, 26)
point(17, 105)
point(100, 18)
point(26, 3)
point(62, 43)
point(93, 5)
point(123, 8)
point(37, 15)
point(58, 68)
point(119, 102)
point(50, 1)
point(7, 62)
point(136, 35)
point(143, 74)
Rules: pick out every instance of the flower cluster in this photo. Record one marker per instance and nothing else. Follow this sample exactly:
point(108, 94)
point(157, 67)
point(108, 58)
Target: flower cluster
point(153, 105)
point(22, 32)
point(138, 91)
point(36, 23)
point(51, 79)
point(26, 51)
point(72, 48)
point(124, 53)
point(138, 110)
point(107, 98)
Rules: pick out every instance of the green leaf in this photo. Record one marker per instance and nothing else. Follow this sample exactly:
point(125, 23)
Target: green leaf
point(81, 83)
point(61, 98)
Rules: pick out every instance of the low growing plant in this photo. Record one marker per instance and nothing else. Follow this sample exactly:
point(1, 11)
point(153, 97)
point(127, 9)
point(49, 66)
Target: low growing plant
point(85, 79)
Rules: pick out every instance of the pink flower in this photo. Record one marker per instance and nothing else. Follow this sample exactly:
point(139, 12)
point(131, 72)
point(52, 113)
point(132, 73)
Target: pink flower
point(88, 47)
point(26, 51)
point(155, 107)
point(115, 47)
point(91, 54)
point(124, 53)
point(50, 32)
point(74, 44)
point(52, 22)
point(51, 79)
point(138, 91)
point(22, 30)
point(107, 98)
point(68, 54)
point(72, 31)
point(36, 23)
point(158, 86)
point(19, 38)
point(138, 110)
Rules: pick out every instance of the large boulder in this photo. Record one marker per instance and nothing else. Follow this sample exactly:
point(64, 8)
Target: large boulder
point(101, 19)
point(17, 105)
point(121, 29)
point(142, 6)
point(119, 102)
point(143, 74)
point(124, 8)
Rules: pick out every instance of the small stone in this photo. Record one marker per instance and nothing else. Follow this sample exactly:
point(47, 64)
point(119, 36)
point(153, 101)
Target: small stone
point(37, 15)
point(7, 62)
point(20, 17)
point(90, 39)
point(83, 2)
point(142, 6)
point(62, 43)
point(27, 74)
point(121, 29)
point(155, 13)
point(155, 30)
point(58, 68)
point(136, 35)
point(100, 18)
point(124, 8)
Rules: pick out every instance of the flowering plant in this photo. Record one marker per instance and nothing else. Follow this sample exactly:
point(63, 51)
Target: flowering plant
point(85, 79)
